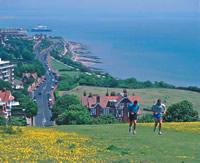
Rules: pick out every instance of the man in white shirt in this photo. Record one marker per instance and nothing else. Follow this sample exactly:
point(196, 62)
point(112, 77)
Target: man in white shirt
point(158, 110)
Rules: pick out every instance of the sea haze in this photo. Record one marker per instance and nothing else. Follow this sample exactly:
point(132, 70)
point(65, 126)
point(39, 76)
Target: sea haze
point(150, 40)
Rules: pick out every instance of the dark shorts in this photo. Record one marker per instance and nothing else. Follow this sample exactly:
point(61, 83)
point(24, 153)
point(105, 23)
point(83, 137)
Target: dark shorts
point(132, 117)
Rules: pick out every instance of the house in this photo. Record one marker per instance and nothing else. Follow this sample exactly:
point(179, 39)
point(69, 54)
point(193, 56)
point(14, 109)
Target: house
point(17, 84)
point(104, 105)
point(6, 103)
point(26, 77)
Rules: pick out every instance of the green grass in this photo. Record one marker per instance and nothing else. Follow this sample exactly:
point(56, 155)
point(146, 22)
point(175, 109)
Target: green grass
point(148, 96)
point(117, 145)
point(59, 65)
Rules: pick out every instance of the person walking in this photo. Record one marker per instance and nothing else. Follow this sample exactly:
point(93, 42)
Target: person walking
point(158, 110)
point(133, 109)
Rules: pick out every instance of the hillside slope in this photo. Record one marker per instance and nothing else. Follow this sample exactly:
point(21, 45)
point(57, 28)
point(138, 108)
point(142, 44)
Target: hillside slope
point(148, 96)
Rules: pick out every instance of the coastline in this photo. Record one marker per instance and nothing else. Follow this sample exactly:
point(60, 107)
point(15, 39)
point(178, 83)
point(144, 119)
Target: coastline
point(80, 53)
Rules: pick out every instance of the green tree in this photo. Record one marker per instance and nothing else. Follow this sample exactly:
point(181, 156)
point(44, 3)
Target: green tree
point(5, 85)
point(62, 103)
point(74, 114)
point(2, 121)
point(105, 119)
point(18, 121)
point(29, 105)
point(181, 112)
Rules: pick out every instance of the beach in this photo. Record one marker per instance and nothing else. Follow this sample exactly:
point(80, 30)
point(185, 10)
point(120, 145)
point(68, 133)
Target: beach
point(80, 53)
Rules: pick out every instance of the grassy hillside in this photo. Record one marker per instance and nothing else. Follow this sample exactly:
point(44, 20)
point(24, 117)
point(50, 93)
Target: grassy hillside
point(101, 143)
point(31, 144)
point(179, 142)
point(59, 66)
point(148, 95)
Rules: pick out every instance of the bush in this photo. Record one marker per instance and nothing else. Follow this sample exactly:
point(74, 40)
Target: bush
point(145, 118)
point(181, 112)
point(18, 121)
point(62, 104)
point(75, 114)
point(105, 119)
point(67, 83)
point(5, 85)
point(10, 130)
point(2, 120)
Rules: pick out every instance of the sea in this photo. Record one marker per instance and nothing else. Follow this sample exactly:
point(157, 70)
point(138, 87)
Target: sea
point(156, 42)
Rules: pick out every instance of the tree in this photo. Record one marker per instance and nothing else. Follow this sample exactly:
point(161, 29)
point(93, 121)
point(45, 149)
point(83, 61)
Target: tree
point(74, 114)
point(181, 112)
point(29, 106)
point(5, 85)
point(62, 104)
point(18, 121)
point(2, 121)
point(105, 119)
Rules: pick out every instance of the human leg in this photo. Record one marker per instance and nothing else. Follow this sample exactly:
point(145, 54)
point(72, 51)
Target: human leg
point(155, 124)
point(160, 126)
point(130, 124)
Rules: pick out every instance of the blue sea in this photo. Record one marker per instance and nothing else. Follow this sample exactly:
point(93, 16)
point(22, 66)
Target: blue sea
point(133, 39)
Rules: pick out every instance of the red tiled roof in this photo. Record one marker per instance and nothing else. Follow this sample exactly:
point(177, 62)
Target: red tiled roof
point(92, 101)
point(6, 96)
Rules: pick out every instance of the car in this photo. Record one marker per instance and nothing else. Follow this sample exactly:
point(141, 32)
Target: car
point(52, 87)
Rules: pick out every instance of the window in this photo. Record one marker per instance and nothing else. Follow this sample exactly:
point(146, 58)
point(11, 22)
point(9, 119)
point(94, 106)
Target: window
point(93, 111)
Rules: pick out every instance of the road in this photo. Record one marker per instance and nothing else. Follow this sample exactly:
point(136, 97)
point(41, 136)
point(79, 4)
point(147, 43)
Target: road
point(41, 94)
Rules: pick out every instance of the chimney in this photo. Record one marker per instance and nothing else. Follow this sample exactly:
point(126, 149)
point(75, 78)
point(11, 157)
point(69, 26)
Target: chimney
point(98, 99)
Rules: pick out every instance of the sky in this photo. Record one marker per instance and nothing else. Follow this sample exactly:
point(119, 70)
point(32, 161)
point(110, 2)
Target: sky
point(105, 7)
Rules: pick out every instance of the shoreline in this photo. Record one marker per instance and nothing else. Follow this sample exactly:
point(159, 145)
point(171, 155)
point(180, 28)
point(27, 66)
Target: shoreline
point(80, 53)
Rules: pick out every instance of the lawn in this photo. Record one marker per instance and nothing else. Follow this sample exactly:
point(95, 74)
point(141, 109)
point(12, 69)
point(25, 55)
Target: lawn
point(31, 144)
point(101, 143)
point(59, 66)
point(179, 142)
point(148, 96)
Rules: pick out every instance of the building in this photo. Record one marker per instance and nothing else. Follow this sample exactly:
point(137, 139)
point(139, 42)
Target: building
point(6, 71)
point(6, 103)
point(13, 32)
point(104, 105)
point(17, 84)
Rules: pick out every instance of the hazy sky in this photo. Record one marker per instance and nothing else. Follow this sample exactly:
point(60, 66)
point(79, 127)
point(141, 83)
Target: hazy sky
point(104, 7)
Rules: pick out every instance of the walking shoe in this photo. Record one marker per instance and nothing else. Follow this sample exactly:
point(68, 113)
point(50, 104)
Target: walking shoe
point(159, 133)
point(134, 132)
